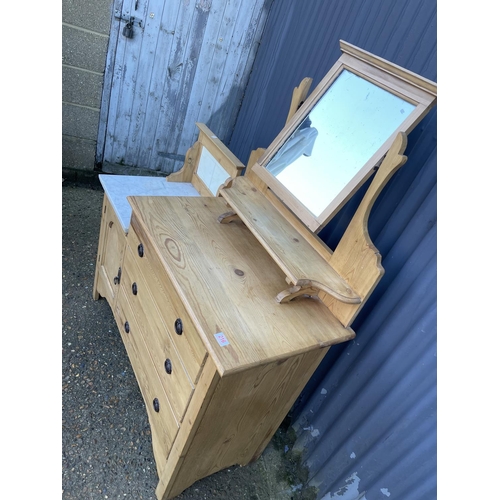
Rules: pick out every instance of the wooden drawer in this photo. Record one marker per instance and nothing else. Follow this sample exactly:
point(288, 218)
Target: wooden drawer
point(164, 426)
point(187, 342)
point(167, 363)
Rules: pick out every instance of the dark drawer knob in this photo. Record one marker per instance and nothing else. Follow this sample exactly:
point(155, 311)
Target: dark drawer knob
point(140, 250)
point(168, 366)
point(156, 405)
point(178, 326)
point(127, 327)
point(134, 288)
point(118, 277)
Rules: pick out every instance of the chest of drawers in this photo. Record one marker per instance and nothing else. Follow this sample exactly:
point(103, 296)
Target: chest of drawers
point(219, 362)
point(227, 304)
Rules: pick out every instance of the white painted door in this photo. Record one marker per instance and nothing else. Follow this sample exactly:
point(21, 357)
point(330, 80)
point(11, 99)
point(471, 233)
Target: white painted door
point(188, 61)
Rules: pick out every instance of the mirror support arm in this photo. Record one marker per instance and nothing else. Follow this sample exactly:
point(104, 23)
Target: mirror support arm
point(356, 256)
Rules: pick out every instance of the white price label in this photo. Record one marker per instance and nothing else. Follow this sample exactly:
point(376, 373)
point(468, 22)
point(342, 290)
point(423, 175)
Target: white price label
point(221, 339)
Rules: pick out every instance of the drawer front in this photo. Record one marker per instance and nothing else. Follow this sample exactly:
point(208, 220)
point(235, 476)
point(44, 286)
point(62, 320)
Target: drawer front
point(161, 418)
point(174, 314)
point(166, 361)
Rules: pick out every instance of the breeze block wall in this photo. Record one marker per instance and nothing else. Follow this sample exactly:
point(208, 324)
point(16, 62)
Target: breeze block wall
point(85, 37)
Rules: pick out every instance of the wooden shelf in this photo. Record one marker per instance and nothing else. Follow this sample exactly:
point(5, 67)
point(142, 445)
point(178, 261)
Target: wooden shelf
point(302, 264)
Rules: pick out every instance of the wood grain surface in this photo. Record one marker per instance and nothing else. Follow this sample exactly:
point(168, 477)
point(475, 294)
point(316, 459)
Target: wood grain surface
point(228, 284)
point(299, 260)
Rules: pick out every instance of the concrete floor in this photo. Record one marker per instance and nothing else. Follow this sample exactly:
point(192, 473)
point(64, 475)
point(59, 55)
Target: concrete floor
point(106, 438)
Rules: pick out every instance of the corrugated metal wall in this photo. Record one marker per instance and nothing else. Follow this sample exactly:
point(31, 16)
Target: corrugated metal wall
point(366, 422)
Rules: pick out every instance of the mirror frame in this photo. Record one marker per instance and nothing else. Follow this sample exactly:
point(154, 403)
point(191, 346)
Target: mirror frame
point(395, 79)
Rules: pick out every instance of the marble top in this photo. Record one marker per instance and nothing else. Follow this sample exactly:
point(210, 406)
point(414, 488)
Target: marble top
point(118, 187)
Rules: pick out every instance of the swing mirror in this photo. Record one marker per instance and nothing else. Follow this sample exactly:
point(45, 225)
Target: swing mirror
point(341, 133)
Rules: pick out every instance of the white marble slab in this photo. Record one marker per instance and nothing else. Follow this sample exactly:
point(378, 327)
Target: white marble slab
point(118, 187)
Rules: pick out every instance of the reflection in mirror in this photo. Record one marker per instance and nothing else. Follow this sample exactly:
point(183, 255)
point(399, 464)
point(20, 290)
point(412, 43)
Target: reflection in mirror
point(343, 131)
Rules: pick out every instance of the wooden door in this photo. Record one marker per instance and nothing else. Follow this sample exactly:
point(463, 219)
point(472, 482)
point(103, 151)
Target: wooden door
point(187, 61)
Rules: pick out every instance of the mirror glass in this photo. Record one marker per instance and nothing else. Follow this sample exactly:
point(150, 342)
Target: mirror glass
point(343, 131)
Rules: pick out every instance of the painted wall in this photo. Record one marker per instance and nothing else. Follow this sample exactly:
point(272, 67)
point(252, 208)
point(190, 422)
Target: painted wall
point(366, 422)
point(85, 35)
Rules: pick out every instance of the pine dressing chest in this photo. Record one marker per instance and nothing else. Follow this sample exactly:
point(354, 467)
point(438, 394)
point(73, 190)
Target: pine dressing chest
point(228, 302)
